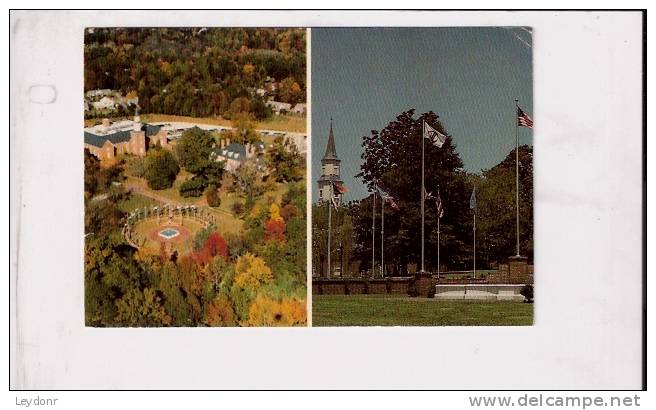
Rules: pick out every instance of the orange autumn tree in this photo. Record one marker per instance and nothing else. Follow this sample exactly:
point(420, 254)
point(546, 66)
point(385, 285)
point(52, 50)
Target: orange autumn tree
point(274, 227)
point(220, 312)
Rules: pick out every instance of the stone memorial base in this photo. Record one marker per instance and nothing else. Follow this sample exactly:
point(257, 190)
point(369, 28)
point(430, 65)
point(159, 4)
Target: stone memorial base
point(479, 292)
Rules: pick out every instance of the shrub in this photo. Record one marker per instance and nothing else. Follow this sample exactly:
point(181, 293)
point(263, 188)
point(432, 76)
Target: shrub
point(193, 187)
point(135, 166)
point(288, 211)
point(527, 292)
point(238, 208)
point(212, 196)
point(201, 238)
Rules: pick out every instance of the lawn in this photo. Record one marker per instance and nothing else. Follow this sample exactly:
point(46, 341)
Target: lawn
point(171, 195)
point(135, 201)
point(226, 222)
point(366, 310)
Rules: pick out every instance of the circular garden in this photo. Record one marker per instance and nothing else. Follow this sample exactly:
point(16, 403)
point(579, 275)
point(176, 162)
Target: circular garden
point(170, 228)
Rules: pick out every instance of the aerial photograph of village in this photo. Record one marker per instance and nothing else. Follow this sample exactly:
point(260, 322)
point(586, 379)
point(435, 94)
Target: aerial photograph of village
point(195, 177)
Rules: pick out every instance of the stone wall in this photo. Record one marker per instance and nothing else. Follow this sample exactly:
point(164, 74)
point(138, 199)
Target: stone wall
point(356, 286)
point(516, 272)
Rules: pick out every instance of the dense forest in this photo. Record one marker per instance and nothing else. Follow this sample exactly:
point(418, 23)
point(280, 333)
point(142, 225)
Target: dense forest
point(198, 71)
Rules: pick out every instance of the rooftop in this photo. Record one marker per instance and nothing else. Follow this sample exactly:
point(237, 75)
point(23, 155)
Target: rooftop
point(331, 152)
point(115, 133)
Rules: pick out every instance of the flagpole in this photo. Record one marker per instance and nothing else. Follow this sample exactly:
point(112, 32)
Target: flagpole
point(438, 241)
point(330, 215)
point(423, 134)
point(373, 233)
point(517, 170)
point(474, 243)
point(382, 237)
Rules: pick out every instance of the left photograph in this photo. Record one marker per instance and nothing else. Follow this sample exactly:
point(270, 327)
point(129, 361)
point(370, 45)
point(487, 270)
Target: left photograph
point(195, 177)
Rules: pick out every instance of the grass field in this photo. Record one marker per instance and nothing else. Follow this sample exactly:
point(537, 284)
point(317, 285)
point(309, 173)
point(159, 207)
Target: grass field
point(366, 310)
point(135, 201)
point(164, 195)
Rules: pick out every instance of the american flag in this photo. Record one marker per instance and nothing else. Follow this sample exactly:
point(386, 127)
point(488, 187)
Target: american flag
point(438, 203)
point(523, 120)
point(389, 198)
point(338, 189)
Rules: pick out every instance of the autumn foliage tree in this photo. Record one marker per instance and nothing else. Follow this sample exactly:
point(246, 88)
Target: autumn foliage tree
point(274, 227)
point(265, 311)
point(220, 312)
point(252, 272)
point(215, 245)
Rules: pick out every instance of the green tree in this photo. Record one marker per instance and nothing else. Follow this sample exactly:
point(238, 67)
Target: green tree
point(244, 129)
point(91, 170)
point(392, 158)
point(496, 218)
point(161, 168)
point(285, 161)
point(195, 152)
point(248, 182)
point(342, 242)
point(194, 148)
point(141, 309)
point(290, 91)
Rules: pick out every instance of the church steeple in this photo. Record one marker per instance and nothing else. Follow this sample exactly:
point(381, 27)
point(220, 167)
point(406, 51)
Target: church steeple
point(330, 168)
point(331, 152)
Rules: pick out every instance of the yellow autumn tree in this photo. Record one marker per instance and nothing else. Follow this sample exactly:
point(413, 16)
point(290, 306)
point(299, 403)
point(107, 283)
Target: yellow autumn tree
point(274, 212)
point(264, 311)
point(251, 272)
point(294, 311)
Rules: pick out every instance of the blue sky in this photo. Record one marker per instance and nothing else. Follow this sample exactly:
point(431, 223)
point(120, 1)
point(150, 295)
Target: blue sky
point(364, 77)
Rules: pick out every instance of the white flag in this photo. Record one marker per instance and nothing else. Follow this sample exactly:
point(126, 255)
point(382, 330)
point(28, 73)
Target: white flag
point(436, 137)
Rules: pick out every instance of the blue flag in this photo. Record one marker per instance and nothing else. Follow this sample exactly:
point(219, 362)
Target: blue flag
point(472, 200)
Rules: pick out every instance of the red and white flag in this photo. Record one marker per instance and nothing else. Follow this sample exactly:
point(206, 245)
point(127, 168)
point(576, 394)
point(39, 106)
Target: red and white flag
point(523, 120)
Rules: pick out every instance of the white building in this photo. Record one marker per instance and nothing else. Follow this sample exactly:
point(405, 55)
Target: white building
point(277, 106)
point(300, 108)
point(105, 103)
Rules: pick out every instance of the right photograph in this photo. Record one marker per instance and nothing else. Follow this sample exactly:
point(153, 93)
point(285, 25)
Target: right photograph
point(422, 160)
